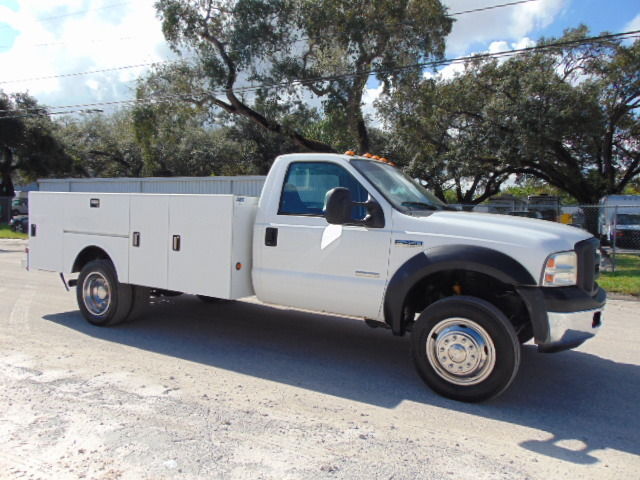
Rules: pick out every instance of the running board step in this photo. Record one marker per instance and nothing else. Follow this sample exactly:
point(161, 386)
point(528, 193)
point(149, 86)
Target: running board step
point(376, 324)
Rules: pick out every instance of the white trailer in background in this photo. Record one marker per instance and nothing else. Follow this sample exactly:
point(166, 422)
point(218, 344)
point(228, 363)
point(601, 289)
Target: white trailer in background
point(619, 220)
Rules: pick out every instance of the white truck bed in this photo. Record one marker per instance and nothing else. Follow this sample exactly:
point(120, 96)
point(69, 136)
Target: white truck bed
point(186, 243)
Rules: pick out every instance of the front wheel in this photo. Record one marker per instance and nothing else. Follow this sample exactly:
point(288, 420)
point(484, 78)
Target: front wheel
point(464, 348)
point(102, 299)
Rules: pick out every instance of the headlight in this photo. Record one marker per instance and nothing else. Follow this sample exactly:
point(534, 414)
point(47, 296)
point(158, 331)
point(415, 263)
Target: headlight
point(560, 270)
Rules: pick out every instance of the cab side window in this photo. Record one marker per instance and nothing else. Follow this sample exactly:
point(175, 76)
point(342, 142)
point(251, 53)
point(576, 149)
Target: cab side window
point(306, 186)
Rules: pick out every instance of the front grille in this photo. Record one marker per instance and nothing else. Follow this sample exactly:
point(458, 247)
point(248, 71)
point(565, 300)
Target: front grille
point(588, 252)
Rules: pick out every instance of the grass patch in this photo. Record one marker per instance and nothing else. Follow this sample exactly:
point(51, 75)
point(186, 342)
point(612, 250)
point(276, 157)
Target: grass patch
point(6, 232)
point(626, 278)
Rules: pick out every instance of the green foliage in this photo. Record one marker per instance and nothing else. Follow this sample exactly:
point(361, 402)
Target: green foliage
point(436, 127)
point(567, 115)
point(6, 232)
point(626, 278)
point(28, 142)
point(103, 145)
point(290, 44)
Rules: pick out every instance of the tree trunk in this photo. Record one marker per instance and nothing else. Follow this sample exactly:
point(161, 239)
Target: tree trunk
point(6, 168)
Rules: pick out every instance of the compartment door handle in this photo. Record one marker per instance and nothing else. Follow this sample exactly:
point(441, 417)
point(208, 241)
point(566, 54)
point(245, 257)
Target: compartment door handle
point(271, 237)
point(176, 243)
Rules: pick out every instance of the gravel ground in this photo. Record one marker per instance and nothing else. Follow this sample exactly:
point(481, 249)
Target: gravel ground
point(239, 390)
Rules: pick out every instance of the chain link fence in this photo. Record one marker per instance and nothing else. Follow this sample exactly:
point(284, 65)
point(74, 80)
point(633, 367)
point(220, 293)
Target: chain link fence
point(617, 226)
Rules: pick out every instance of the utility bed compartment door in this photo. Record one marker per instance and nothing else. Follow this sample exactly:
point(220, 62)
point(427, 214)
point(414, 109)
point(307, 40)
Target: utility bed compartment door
point(200, 243)
point(148, 240)
point(46, 243)
point(104, 214)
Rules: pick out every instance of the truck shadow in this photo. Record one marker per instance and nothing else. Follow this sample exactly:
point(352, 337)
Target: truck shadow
point(583, 401)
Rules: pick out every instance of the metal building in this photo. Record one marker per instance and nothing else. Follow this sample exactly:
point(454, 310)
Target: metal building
point(250, 186)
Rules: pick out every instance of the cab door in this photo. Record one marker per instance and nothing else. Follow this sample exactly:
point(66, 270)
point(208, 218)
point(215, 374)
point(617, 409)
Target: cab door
point(307, 263)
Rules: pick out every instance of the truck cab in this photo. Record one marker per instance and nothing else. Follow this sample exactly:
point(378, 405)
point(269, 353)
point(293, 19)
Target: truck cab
point(350, 235)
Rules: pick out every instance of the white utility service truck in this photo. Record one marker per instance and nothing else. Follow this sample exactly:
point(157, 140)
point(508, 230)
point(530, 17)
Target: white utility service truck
point(344, 234)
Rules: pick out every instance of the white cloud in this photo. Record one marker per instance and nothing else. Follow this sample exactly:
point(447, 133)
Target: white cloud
point(369, 97)
point(100, 38)
point(514, 22)
point(633, 24)
point(452, 70)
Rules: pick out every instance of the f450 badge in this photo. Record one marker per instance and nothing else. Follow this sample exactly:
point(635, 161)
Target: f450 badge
point(408, 243)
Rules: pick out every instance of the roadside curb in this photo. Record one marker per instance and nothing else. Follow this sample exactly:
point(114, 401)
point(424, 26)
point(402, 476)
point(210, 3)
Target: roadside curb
point(620, 296)
point(14, 241)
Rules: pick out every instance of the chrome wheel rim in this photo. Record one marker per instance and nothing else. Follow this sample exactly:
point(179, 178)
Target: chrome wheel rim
point(461, 351)
point(96, 293)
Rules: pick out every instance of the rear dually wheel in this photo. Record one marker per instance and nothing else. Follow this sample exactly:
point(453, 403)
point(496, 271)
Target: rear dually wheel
point(101, 298)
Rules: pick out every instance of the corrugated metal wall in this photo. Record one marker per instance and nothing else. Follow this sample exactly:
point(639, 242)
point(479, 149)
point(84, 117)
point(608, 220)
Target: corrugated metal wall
point(250, 186)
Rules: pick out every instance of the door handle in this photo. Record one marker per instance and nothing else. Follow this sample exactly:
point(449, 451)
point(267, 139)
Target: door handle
point(136, 239)
point(271, 237)
point(176, 243)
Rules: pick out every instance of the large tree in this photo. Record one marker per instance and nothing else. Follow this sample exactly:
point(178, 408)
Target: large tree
point(568, 115)
point(295, 50)
point(178, 138)
point(28, 142)
point(103, 145)
point(439, 137)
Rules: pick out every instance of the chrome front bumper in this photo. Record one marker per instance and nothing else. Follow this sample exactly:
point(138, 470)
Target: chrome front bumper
point(568, 330)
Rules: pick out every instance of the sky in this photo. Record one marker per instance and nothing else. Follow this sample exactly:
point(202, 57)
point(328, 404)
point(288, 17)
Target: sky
point(40, 39)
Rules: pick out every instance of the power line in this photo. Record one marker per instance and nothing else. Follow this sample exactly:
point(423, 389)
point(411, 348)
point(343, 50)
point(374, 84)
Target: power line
point(50, 77)
point(81, 12)
point(79, 74)
point(490, 7)
point(439, 63)
point(58, 44)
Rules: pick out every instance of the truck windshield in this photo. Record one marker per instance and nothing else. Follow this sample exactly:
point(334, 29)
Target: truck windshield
point(402, 192)
point(627, 219)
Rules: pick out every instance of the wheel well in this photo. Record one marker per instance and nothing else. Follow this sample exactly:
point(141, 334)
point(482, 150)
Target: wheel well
point(463, 282)
point(87, 255)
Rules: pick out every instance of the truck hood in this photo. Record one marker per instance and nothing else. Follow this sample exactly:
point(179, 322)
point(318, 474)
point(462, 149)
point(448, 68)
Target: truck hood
point(526, 240)
point(501, 230)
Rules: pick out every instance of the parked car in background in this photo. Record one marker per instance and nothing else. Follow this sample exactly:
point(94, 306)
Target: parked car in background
point(19, 223)
point(527, 214)
point(19, 206)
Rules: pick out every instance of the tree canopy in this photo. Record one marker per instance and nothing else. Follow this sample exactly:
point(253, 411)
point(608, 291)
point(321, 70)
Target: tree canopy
point(567, 115)
point(28, 142)
point(294, 51)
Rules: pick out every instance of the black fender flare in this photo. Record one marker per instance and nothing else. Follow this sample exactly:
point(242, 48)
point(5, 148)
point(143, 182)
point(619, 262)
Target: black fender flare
point(448, 257)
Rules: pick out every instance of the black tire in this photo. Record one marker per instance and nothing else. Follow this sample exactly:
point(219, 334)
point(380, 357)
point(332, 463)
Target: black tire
point(525, 334)
point(465, 349)
point(101, 298)
point(139, 303)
